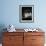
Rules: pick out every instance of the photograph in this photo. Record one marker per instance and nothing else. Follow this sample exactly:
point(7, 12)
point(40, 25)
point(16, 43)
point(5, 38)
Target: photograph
point(26, 13)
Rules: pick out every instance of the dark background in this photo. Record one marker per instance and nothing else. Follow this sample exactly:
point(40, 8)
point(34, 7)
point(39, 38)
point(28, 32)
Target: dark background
point(26, 10)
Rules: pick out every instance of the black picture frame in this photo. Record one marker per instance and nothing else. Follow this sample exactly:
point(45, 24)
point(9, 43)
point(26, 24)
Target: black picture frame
point(26, 13)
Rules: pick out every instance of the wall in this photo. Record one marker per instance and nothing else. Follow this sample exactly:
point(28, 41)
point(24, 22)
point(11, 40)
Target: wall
point(9, 13)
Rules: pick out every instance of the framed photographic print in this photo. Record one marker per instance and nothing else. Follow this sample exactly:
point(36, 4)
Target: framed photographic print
point(26, 13)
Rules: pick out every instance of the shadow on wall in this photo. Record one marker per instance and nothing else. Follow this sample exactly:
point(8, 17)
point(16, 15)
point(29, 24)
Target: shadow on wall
point(2, 26)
